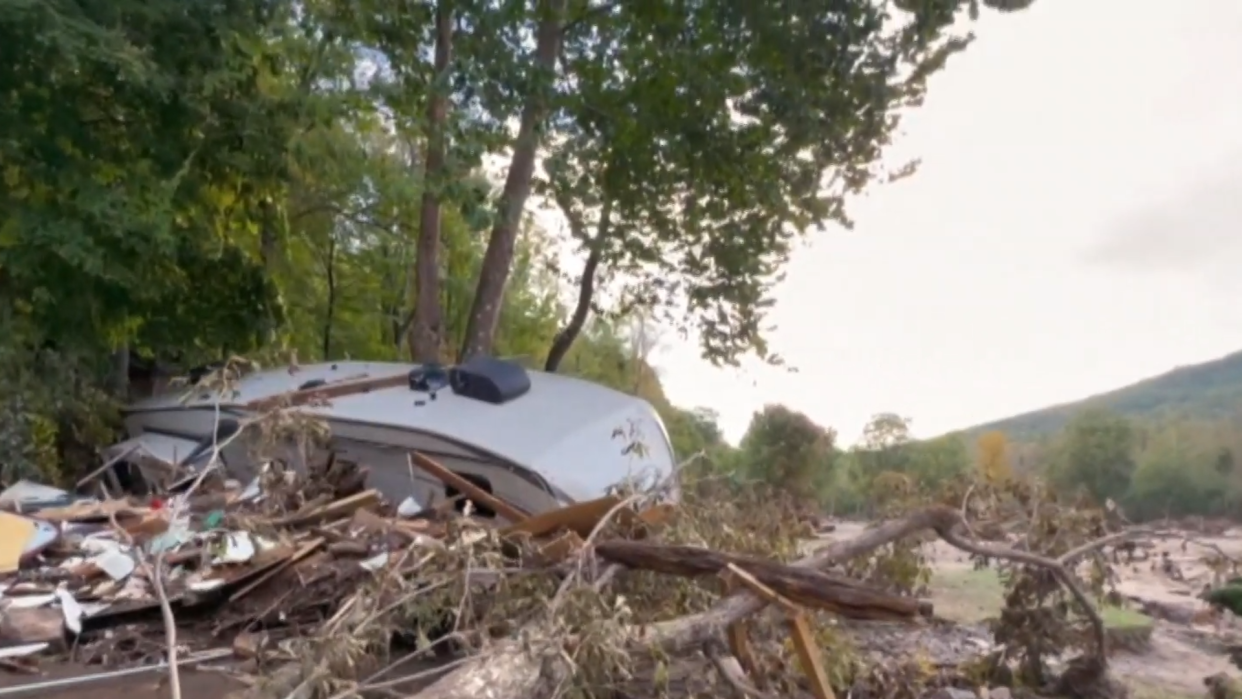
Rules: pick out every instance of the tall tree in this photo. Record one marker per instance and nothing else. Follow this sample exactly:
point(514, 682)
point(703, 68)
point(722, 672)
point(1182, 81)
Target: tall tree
point(787, 449)
point(427, 329)
point(494, 274)
point(992, 455)
point(1097, 454)
point(698, 142)
point(885, 445)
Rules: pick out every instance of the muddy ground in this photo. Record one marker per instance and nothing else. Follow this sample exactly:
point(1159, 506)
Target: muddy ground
point(1179, 657)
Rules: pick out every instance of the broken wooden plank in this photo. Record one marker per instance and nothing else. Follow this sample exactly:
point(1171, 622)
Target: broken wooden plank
point(338, 508)
point(328, 391)
point(738, 636)
point(657, 515)
point(307, 549)
point(92, 511)
point(20, 626)
point(583, 517)
point(809, 656)
point(560, 548)
point(107, 466)
point(802, 637)
point(580, 518)
point(472, 491)
point(741, 578)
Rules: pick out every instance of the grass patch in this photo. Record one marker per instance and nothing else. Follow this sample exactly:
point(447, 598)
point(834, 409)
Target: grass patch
point(965, 595)
point(1121, 618)
point(970, 596)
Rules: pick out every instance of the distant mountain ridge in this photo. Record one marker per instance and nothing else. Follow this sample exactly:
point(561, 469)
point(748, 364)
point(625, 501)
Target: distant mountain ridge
point(1207, 390)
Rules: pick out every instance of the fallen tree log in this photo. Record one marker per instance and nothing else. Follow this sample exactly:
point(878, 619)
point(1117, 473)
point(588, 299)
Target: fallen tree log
point(804, 586)
point(513, 670)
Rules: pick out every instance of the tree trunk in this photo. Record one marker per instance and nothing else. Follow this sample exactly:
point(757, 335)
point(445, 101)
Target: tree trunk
point(428, 325)
point(804, 586)
point(119, 375)
point(330, 312)
point(497, 261)
point(565, 338)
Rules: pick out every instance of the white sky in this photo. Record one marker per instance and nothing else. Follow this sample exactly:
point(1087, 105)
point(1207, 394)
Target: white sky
point(1075, 227)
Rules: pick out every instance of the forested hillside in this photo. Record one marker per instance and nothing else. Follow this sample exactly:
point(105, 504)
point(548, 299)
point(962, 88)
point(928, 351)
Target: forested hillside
point(1207, 391)
point(295, 181)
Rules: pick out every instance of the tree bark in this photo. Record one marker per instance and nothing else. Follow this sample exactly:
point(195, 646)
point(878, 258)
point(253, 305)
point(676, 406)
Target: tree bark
point(565, 338)
point(497, 261)
point(428, 327)
point(810, 588)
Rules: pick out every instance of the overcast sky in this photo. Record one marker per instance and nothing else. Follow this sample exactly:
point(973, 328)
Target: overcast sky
point(1076, 226)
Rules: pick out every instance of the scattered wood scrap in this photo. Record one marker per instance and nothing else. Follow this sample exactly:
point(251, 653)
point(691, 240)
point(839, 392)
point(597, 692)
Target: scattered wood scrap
point(251, 571)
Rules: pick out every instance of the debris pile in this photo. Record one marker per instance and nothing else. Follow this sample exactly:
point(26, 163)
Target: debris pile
point(316, 583)
point(243, 569)
point(84, 576)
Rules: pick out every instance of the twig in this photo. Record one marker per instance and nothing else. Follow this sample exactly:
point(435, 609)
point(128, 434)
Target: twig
point(175, 512)
point(576, 574)
point(628, 502)
point(170, 627)
point(106, 465)
point(731, 670)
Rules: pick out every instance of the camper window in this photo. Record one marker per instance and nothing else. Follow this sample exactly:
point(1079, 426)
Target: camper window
point(459, 502)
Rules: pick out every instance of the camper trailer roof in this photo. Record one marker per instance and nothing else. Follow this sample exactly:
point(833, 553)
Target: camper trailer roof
point(559, 427)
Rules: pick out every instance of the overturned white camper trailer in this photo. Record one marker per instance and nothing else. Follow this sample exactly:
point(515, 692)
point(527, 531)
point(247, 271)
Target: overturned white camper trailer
point(536, 439)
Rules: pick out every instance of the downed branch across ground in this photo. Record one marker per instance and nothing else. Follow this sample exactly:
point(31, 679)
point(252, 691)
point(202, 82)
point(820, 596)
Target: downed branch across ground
point(801, 585)
point(513, 670)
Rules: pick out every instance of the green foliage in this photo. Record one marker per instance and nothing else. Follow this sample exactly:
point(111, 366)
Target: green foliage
point(191, 181)
point(139, 136)
point(1153, 468)
point(784, 448)
point(1097, 455)
point(696, 143)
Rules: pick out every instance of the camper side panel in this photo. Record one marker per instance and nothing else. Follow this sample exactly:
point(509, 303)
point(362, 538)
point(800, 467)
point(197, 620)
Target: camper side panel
point(631, 444)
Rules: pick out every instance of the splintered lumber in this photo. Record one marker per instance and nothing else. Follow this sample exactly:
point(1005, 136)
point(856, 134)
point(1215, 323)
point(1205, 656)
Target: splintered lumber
point(803, 586)
point(20, 626)
point(809, 656)
point(738, 636)
point(331, 510)
point(307, 549)
point(583, 517)
point(118, 458)
point(560, 548)
point(580, 518)
point(471, 491)
point(338, 389)
point(87, 511)
point(800, 631)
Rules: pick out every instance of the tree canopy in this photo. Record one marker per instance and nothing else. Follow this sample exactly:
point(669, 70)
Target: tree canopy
point(327, 179)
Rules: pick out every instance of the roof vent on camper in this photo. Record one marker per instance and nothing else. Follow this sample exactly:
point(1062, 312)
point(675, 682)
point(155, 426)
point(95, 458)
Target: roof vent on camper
point(428, 378)
point(494, 381)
